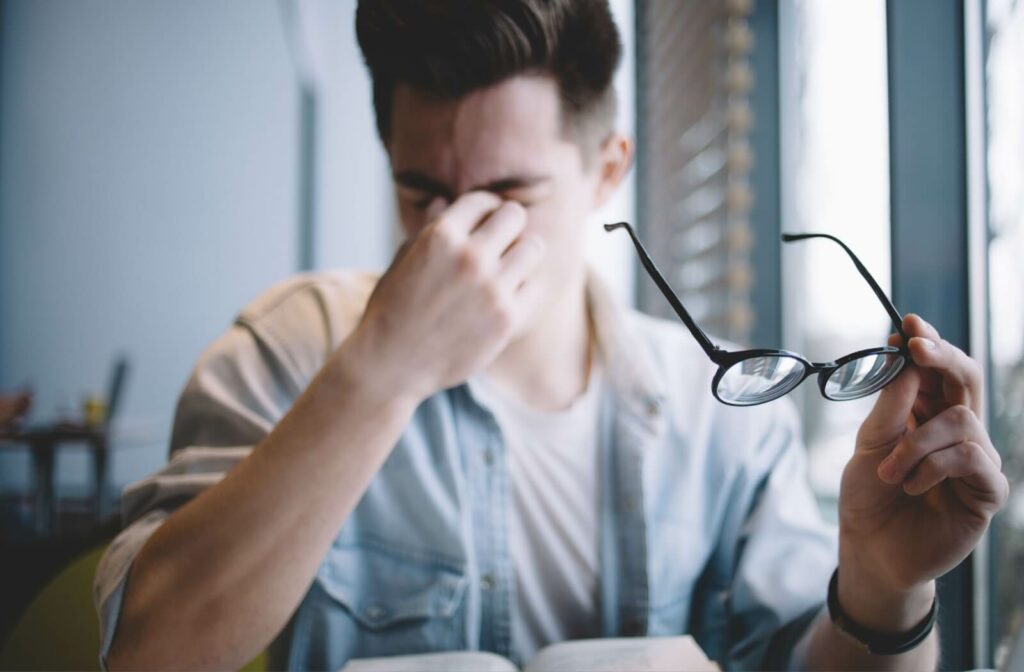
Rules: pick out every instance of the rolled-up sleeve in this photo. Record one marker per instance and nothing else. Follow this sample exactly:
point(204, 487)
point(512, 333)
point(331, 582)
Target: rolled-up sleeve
point(229, 404)
point(242, 385)
point(112, 574)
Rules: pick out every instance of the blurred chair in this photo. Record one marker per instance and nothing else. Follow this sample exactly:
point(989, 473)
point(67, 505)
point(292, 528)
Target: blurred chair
point(59, 630)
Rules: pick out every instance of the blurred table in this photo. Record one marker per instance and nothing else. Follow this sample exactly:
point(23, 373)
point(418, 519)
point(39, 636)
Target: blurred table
point(43, 442)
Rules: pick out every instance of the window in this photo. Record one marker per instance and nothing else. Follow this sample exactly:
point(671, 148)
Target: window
point(696, 158)
point(835, 179)
point(1004, 73)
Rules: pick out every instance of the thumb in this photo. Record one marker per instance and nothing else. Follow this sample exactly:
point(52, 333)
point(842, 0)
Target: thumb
point(887, 422)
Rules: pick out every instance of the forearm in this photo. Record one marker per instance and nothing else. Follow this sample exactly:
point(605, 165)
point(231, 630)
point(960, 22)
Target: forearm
point(221, 577)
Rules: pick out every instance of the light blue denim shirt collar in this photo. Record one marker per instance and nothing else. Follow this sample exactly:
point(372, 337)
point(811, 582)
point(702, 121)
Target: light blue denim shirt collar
point(632, 374)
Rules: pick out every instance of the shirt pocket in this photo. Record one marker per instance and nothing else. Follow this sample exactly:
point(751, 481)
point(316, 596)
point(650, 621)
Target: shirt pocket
point(368, 601)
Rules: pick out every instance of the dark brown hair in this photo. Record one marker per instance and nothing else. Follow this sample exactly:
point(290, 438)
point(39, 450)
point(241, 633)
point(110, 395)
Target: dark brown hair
point(449, 48)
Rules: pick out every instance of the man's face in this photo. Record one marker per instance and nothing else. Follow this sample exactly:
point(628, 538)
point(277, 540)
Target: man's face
point(507, 139)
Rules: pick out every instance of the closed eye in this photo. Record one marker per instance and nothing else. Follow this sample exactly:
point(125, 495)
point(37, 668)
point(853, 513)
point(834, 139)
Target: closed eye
point(418, 198)
point(527, 196)
point(419, 190)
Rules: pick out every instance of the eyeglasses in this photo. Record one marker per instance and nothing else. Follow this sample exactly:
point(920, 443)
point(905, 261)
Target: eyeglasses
point(751, 377)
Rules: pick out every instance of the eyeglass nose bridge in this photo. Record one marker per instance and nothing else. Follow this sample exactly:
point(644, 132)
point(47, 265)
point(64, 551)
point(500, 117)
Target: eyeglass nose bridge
point(824, 371)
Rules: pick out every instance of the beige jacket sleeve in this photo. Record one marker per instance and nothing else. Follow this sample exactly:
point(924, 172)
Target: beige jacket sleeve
point(241, 386)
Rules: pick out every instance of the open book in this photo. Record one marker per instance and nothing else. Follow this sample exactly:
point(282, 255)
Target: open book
point(647, 654)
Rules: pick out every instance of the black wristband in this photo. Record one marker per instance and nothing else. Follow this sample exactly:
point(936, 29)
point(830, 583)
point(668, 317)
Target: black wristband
point(878, 643)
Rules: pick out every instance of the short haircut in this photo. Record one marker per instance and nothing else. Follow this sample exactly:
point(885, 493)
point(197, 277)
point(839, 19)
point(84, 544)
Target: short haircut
point(449, 48)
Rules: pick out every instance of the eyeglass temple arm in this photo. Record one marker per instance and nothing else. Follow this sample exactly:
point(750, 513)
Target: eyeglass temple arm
point(894, 315)
point(709, 348)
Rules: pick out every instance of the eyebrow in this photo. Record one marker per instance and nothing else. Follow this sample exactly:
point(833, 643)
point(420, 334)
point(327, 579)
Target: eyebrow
point(416, 180)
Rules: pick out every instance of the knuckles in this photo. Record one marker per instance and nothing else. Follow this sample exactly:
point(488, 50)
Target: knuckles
point(469, 264)
point(1004, 490)
point(970, 454)
point(439, 238)
point(493, 297)
point(962, 416)
point(959, 420)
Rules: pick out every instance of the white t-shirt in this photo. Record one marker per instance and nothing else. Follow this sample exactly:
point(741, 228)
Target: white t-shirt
point(553, 531)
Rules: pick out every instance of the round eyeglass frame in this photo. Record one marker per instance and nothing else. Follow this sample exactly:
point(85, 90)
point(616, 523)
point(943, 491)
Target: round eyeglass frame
point(726, 360)
point(824, 370)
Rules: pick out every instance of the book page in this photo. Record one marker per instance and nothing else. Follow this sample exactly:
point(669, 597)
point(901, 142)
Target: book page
point(641, 654)
point(449, 661)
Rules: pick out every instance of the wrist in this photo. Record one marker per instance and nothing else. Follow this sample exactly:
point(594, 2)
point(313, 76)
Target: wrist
point(879, 605)
point(361, 366)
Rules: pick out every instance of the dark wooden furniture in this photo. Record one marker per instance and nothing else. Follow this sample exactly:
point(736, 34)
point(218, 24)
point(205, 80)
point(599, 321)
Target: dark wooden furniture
point(43, 442)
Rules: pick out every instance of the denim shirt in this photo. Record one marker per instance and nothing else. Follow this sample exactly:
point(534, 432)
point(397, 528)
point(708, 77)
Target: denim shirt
point(707, 523)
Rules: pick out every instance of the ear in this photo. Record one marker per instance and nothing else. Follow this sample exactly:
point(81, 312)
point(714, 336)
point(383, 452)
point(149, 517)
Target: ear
point(613, 161)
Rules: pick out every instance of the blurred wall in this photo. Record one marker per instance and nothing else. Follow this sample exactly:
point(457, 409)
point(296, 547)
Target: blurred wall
point(148, 186)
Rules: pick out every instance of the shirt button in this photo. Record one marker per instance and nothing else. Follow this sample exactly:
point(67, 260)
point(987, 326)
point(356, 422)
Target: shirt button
point(375, 612)
point(630, 504)
point(487, 581)
point(489, 457)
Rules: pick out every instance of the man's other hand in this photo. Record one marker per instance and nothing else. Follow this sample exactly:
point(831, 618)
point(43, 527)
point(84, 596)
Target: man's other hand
point(922, 486)
point(454, 295)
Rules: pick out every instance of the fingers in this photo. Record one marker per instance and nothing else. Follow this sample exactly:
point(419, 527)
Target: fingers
point(951, 361)
point(891, 412)
point(947, 391)
point(462, 216)
point(435, 208)
point(928, 405)
point(955, 425)
point(929, 395)
point(966, 460)
point(915, 325)
point(495, 239)
point(496, 233)
point(521, 259)
point(961, 376)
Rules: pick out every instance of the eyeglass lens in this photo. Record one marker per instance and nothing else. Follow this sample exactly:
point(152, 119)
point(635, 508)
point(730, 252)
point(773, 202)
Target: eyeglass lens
point(759, 379)
point(863, 376)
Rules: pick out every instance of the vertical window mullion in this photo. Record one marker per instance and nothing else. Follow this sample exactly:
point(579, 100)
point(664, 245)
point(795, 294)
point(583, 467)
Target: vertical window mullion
point(928, 164)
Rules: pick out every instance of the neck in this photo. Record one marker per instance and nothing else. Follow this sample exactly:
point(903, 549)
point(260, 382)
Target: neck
point(548, 367)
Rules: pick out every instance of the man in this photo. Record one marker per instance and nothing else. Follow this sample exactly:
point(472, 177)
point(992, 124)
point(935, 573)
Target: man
point(481, 451)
